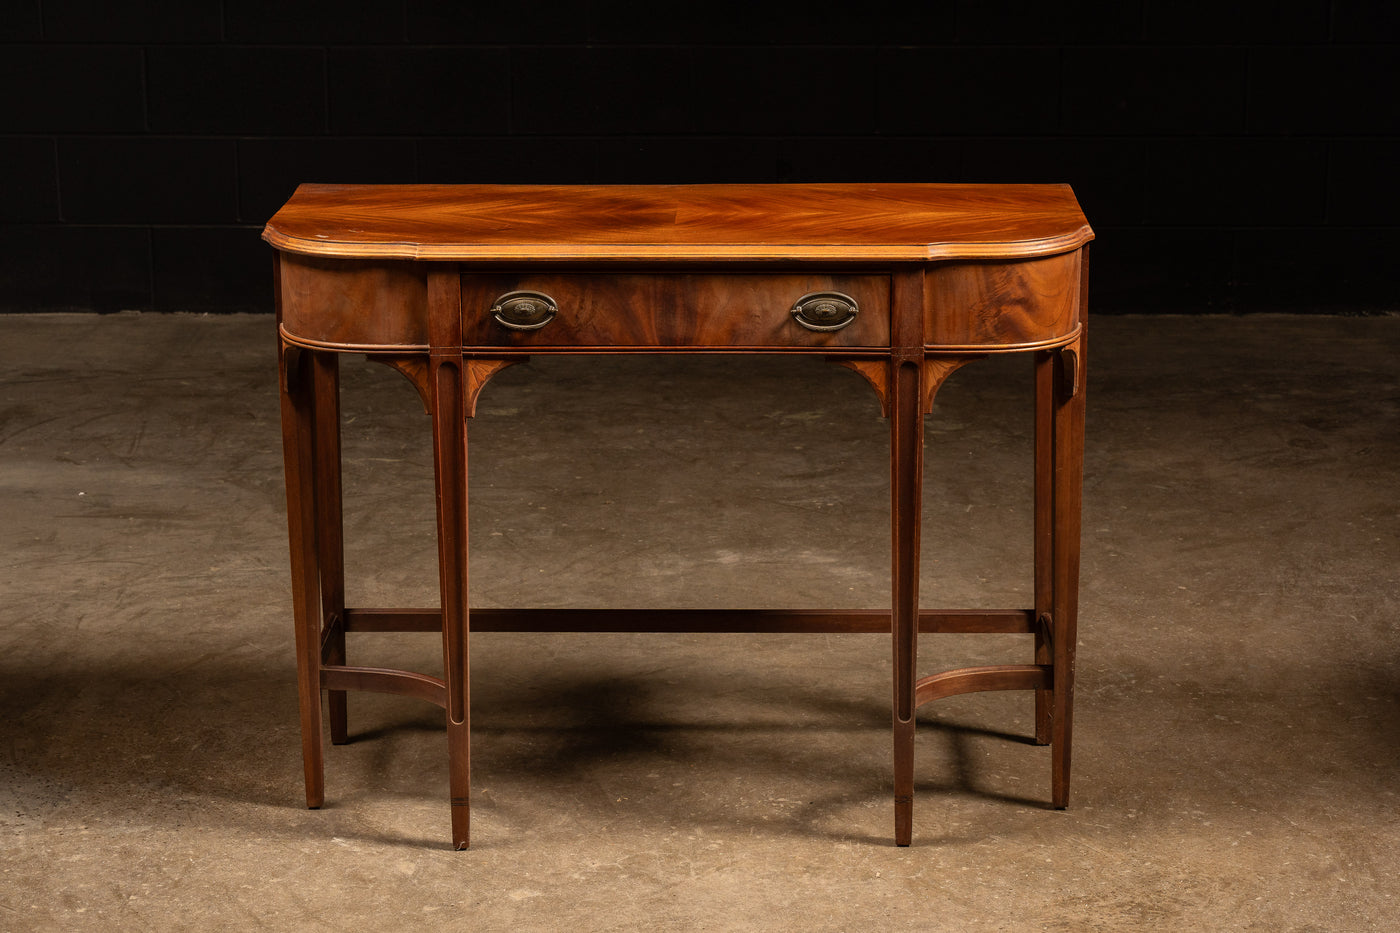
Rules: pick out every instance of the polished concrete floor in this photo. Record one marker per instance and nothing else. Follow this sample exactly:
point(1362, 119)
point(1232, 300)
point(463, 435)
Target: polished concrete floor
point(1237, 759)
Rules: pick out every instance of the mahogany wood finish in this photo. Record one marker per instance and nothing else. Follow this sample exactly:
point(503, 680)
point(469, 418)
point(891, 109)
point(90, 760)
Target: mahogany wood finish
point(384, 680)
point(675, 311)
point(839, 223)
point(906, 479)
point(354, 305)
point(329, 531)
point(750, 621)
point(978, 679)
point(417, 276)
point(1003, 306)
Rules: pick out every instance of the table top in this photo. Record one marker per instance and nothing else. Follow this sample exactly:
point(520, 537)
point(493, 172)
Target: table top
point(530, 223)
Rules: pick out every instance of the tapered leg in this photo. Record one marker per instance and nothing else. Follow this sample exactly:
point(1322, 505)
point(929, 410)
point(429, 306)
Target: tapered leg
point(450, 468)
point(1068, 433)
point(906, 461)
point(299, 452)
point(1059, 481)
point(1044, 531)
point(330, 527)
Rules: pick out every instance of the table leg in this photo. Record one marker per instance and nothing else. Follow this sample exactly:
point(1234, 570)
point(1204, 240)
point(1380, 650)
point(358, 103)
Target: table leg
point(1059, 494)
point(906, 484)
point(299, 452)
point(449, 403)
point(1044, 532)
point(330, 534)
point(1069, 494)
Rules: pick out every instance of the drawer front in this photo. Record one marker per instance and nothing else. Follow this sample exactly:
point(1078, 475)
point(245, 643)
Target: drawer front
point(660, 310)
point(1002, 304)
point(353, 303)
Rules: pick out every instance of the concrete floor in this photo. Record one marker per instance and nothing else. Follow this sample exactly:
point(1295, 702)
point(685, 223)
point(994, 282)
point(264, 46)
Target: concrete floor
point(1236, 763)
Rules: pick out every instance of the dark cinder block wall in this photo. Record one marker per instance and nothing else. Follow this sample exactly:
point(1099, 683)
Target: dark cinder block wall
point(1230, 155)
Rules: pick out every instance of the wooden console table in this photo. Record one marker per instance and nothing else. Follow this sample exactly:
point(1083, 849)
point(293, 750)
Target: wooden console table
point(902, 283)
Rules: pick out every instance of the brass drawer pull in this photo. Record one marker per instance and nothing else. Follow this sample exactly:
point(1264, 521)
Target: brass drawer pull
point(825, 311)
point(524, 310)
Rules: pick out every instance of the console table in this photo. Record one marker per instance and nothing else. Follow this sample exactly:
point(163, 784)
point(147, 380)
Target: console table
point(903, 283)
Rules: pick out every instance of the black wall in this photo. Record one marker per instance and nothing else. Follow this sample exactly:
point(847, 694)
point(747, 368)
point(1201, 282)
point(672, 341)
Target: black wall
point(1230, 156)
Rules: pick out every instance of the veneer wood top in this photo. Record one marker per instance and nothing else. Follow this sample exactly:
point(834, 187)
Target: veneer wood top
point(809, 222)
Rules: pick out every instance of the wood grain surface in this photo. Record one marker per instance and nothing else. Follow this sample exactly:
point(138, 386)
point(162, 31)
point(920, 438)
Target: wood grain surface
point(674, 310)
point(679, 222)
point(1000, 306)
point(355, 303)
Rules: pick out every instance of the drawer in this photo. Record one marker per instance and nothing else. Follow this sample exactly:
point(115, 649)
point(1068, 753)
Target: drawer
point(1002, 304)
point(360, 304)
point(660, 310)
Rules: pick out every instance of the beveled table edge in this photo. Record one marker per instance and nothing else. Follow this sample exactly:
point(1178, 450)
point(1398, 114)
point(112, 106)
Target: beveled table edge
point(688, 252)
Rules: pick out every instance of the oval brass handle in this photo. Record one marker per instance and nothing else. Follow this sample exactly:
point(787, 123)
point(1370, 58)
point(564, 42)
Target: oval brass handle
point(825, 311)
point(524, 310)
